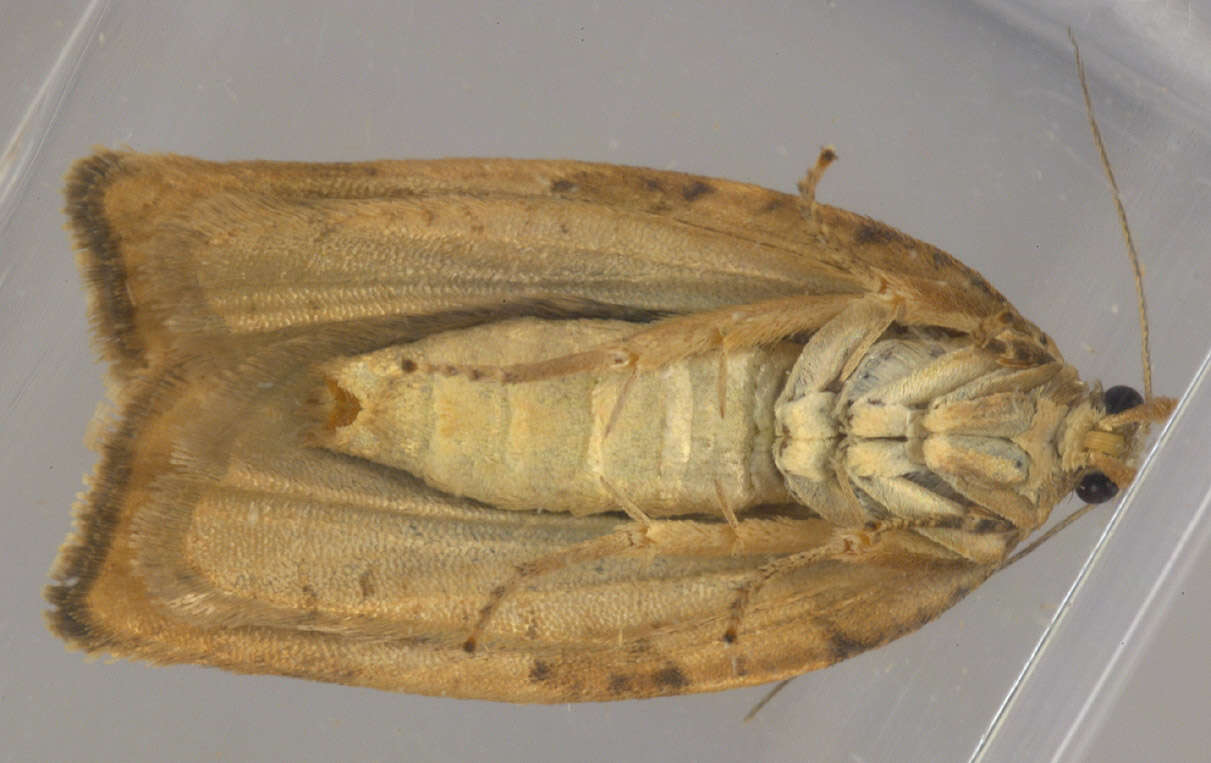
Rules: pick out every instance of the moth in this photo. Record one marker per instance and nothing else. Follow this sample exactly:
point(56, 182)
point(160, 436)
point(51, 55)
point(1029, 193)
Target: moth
point(545, 431)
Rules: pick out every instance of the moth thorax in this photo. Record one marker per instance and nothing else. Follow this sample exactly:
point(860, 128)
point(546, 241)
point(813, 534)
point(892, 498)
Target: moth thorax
point(926, 428)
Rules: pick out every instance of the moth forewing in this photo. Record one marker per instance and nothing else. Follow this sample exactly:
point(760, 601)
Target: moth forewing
point(541, 431)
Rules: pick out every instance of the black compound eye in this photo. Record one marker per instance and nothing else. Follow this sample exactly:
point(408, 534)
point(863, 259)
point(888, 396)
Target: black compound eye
point(1096, 487)
point(1119, 398)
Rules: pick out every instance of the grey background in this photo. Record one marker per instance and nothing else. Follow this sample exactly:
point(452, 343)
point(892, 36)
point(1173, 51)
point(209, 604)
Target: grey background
point(959, 123)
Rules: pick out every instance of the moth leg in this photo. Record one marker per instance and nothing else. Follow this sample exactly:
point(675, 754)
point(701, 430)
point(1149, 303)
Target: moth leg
point(678, 338)
point(636, 514)
point(729, 514)
point(759, 324)
point(807, 188)
point(1015, 341)
point(838, 347)
point(618, 403)
point(846, 544)
point(667, 537)
point(721, 380)
point(843, 544)
point(626, 538)
point(672, 339)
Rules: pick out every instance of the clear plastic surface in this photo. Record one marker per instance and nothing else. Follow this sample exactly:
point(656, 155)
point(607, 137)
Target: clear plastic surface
point(961, 124)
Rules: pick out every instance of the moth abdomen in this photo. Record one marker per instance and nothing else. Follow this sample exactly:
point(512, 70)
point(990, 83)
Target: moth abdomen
point(659, 442)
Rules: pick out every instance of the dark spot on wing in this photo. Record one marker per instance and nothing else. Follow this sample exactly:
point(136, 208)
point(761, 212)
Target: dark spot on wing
point(619, 683)
point(987, 526)
point(773, 205)
point(540, 671)
point(958, 594)
point(873, 233)
point(407, 365)
point(995, 346)
point(695, 190)
point(670, 678)
point(562, 185)
point(843, 646)
point(981, 285)
point(1026, 354)
point(652, 183)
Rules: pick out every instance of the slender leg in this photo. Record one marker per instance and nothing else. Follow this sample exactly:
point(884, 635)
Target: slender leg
point(807, 186)
point(847, 544)
point(625, 539)
point(667, 537)
point(842, 545)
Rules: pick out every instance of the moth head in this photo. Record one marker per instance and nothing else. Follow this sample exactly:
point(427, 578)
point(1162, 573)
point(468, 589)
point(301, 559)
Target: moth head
point(1111, 445)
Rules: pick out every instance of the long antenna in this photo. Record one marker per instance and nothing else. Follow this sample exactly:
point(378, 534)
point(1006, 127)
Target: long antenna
point(1133, 257)
point(1145, 354)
